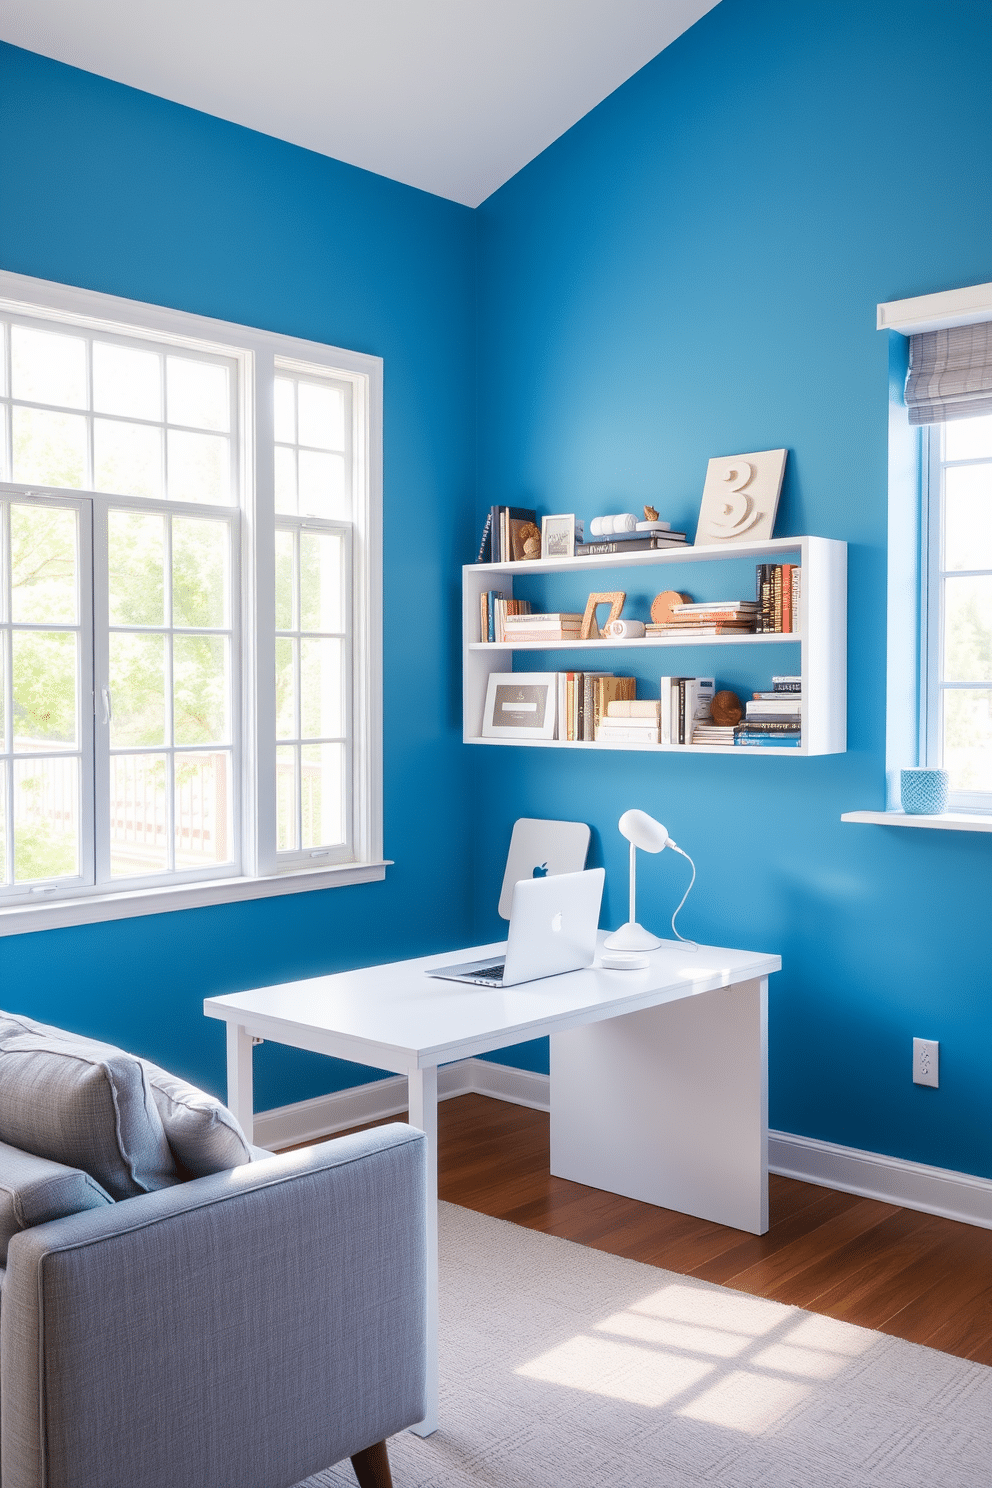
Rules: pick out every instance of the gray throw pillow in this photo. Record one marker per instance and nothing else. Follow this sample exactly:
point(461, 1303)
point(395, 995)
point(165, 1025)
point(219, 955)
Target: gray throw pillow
point(204, 1135)
point(82, 1103)
point(34, 1190)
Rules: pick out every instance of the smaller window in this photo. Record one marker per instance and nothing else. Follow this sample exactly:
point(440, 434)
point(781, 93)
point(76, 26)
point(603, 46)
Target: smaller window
point(956, 608)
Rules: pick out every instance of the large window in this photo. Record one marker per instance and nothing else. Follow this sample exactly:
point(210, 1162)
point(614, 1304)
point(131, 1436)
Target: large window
point(956, 713)
point(189, 554)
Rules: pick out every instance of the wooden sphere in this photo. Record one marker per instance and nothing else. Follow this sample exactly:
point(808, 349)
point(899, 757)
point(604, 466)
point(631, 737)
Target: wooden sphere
point(661, 605)
point(726, 709)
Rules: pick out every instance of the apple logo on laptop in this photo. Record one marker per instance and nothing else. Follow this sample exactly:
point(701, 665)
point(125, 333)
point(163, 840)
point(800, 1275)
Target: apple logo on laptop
point(556, 923)
point(540, 870)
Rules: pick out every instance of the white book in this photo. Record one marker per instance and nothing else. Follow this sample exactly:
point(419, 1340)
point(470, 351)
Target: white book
point(791, 703)
point(626, 730)
point(665, 706)
point(633, 708)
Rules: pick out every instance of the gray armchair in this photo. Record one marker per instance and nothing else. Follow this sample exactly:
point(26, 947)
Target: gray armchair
point(242, 1330)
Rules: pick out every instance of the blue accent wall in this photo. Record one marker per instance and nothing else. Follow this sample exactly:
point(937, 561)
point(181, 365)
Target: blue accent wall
point(116, 190)
point(692, 270)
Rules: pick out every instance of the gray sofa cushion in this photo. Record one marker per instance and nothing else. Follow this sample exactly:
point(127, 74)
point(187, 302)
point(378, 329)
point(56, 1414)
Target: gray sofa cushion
point(34, 1190)
point(204, 1135)
point(84, 1104)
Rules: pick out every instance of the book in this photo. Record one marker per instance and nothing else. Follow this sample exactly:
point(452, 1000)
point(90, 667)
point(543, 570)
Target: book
point(771, 725)
point(718, 627)
point(776, 696)
point(695, 606)
point(787, 684)
point(767, 741)
point(626, 730)
point(645, 529)
point(787, 597)
point(634, 708)
point(504, 524)
point(549, 620)
point(774, 706)
point(607, 690)
point(486, 545)
point(641, 542)
point(797, 577)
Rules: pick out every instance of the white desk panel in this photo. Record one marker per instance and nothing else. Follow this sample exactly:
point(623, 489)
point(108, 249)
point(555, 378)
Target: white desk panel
point(396, 1018)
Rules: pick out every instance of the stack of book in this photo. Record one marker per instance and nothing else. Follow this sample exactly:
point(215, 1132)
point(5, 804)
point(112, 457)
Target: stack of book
point(495, 610)
point(777, 590)
point(631, 721)
point(684, 700)
point(583, 698)
point(544, 628)
point(719, 735)
point(630, 542)
point(501, 540)
point(709, 617)
point(773, 719)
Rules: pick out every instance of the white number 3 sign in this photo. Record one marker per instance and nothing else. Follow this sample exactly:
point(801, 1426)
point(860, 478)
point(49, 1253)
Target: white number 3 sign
point(740, 497)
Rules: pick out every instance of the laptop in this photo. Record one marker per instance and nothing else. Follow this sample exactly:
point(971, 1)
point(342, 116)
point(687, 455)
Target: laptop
point(553, 923)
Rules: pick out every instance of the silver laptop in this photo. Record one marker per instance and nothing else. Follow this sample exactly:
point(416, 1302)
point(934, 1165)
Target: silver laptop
point(553, 923)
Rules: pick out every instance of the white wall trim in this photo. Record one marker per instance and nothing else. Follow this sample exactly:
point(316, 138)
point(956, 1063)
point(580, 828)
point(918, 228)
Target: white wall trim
point(308, 1120)
point(935, 312)
point(871, 1175)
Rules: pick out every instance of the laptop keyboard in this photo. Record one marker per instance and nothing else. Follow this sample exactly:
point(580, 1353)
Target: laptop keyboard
point(491, 973)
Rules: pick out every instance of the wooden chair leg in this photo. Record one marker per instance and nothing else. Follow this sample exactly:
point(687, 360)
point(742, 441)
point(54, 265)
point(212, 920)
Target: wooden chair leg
point(372, 1467)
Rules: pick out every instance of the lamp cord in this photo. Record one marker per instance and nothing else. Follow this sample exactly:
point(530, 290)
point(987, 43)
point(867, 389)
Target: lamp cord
point(685, 896)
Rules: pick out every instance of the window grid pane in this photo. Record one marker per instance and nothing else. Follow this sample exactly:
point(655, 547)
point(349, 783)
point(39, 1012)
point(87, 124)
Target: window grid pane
point(41, 744)
point(95, 412)
point(171, 806)
point(960, 644)
point(312, 687)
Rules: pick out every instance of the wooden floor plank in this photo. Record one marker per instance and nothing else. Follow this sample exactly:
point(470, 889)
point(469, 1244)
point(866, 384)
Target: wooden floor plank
point(912, 1275)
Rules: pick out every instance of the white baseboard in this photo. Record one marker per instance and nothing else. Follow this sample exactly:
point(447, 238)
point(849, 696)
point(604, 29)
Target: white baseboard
point(309, 1120)
point(871, 1175)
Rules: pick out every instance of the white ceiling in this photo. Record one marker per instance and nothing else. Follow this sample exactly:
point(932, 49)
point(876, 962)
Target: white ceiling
point(453, 96)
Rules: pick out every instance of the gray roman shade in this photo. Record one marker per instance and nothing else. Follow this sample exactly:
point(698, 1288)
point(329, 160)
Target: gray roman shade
point(950, 374)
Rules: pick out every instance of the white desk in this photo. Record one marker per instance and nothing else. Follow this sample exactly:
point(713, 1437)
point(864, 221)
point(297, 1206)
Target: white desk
point(659, 1085)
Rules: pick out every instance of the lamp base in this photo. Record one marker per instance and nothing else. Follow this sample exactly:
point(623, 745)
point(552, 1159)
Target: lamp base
point(632, 937)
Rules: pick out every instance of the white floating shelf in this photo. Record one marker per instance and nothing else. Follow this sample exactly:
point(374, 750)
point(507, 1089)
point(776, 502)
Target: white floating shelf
point(818, 651)
point(724, 749)
point(948, 821)
point(774, 548)
point(608, 642)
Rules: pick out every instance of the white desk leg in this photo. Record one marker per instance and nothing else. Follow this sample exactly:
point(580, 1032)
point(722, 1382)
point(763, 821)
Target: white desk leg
point(670, 1105)
point(423, 1113)
point(240, 1097)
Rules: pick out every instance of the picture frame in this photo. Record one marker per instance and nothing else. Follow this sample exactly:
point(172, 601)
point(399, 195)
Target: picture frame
point(520, 705)
point(559, 536)
point(615, 598)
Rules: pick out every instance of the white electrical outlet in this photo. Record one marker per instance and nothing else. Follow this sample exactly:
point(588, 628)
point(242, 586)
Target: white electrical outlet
point(925, 1062)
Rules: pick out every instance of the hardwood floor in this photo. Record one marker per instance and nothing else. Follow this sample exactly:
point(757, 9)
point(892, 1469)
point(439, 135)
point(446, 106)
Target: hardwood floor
point(912, 1275)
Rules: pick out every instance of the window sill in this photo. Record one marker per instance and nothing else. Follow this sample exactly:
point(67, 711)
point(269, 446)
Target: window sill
point(948, 821)
point(50, 915)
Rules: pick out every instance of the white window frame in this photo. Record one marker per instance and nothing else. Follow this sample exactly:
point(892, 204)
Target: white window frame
point(258, 355)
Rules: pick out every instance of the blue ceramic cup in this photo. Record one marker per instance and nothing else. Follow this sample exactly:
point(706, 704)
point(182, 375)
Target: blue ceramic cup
point(923, 791)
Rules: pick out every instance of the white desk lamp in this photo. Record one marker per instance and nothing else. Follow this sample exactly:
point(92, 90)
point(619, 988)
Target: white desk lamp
point(642, 831)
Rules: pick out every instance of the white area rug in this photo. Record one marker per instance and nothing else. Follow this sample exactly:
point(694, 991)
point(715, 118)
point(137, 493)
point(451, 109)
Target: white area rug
point(562, 1367)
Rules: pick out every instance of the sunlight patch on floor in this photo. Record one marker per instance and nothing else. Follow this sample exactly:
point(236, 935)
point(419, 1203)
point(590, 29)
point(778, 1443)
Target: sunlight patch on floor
point(680, 1341)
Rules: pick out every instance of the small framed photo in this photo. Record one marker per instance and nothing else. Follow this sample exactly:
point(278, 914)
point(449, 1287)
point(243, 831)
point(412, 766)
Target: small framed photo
point(520, 705)
point(559, 536)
